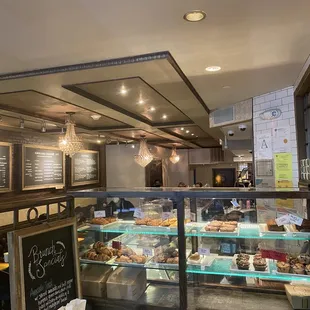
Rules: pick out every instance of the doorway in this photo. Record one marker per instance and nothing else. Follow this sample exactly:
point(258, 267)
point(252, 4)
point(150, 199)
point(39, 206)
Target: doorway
point(224, 177)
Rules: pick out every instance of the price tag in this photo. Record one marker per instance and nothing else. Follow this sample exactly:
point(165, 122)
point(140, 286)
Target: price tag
point(203, 267)
point(204, 251)
point(166, 215)
point(294, 219)
point(100, 213)
point(282, 220)
point(138, 213)
point(273, 255)
point(147, 251)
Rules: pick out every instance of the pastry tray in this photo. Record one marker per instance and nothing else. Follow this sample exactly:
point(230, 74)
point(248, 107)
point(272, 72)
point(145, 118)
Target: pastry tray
point(290, 274)
point(153, 264)
point(98, 227)
point(154, 228)
point(263, 228)
point(222, 233)
point(113, 262)
point(205, 261)
point(291, 229)
point(234, 267)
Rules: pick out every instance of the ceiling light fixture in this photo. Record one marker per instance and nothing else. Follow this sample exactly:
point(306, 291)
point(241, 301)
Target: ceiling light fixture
point(70, 143)
point(152, 109)
point(98, 141)
point(182, 128)
point(133, 146)
point(43, 127)
point(213, 68)
point(195, 16)
point(144, 156)
point(95, 117)
point(21, 123)
point(164, 116)
point(193, 134)
point(123, 90)
point(226, 87)
point(187, 131)
point(174, 157)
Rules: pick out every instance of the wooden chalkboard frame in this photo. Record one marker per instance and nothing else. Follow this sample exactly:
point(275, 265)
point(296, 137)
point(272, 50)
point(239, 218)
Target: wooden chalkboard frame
point(57, 185)
point(85, 182)
point(17, 287)
point(9, 189)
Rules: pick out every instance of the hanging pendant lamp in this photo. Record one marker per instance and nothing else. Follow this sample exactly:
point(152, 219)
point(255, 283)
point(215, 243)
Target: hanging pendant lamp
point(144, 156)
point(174, 157)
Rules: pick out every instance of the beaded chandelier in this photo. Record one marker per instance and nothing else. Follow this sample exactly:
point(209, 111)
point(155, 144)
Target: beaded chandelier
point(145, 156)
point(70, 143)
point(174, 157)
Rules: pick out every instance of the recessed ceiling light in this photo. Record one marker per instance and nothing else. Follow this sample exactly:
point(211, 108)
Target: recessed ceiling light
point(213, 68)
point(187, 131)
point(192, 134)
point(141, 101)
point(95, 117)
point(226, 87)
point(164, 116)
point(133, 146)
point(194, 16)
point(182, 128)
point(196, 136)
point(98, 141)
point(123, 90)
point(152, 109)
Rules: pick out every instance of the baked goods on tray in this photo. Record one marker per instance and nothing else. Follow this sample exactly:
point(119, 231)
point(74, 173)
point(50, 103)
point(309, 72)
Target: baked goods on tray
point(272, 226)
point(283, 267)
point(194, 257)
point(171, 222)
point(295, 265)
point(128, 255)
point(260, 264)
point(103, 220)
point(221, 226)
point(100, 252)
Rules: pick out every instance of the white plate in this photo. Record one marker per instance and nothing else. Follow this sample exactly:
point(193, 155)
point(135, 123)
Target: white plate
point(263, 228)
point(203, 261)
point(234, 267)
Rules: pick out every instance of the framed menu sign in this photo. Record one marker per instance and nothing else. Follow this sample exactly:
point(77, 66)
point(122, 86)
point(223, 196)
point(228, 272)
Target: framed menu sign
point(42, 167)
point(5, 167)
point(44, 266)
point(85, 168)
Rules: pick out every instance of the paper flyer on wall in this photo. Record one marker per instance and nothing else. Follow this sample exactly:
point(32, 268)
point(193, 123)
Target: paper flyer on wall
point(282, 140)
point(264, 146)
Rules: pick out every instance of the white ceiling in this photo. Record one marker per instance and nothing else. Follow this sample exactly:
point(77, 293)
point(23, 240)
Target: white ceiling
point(261, 45)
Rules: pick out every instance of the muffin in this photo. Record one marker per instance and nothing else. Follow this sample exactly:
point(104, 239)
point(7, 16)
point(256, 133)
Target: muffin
point(283, 267)
point(260, 264)
point(243, 264)
point(304, 259)
point(298, 268)
point(307, 269)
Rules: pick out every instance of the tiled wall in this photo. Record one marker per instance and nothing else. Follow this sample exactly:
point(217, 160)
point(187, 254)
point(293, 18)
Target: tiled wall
point(282, 99)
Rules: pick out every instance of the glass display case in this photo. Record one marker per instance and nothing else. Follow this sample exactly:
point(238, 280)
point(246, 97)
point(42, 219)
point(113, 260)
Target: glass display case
point(178, 244)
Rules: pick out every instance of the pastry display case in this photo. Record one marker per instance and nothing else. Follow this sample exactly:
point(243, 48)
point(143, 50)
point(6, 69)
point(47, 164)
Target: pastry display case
point(182, 241)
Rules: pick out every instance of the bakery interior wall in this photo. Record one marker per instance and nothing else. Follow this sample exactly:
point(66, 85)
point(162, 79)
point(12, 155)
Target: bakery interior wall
point(44, 139)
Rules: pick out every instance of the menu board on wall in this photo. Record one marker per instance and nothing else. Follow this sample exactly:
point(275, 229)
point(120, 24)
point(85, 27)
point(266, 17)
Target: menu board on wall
point(45, 266)
point(5, 166)
point(85, 168)
point(43, 167)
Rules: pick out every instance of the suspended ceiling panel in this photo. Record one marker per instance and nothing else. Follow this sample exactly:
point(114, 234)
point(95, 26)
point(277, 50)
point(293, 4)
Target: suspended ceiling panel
point(135, 97)
point(188, 132)
point(46, 107)
point(136, 134)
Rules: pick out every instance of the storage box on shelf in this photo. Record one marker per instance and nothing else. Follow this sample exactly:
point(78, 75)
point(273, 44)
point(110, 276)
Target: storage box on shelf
point(174, 239)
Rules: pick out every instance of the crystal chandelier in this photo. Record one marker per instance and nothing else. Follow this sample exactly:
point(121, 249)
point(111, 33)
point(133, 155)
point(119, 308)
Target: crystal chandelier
point(174, 157)
point(145, 156)
point(70, 143)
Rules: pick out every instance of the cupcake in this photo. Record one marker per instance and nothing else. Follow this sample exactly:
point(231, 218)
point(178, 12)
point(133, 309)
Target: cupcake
point(298, 268)
point(243, 256)
point(243, 264)
point(304, 259)
point(260, 264)
point(307, 269)
point(283, 267)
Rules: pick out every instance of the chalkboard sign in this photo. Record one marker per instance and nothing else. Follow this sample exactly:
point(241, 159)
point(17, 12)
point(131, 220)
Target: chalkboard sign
point(45, 268)
point(85, 168)
point(5, 167)
point(43, 167)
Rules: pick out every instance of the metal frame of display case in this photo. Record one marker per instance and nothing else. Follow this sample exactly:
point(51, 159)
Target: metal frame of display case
point(178, 195)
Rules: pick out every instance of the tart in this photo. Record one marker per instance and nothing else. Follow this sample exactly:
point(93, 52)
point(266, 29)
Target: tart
point(283, 267)
point(298, 268)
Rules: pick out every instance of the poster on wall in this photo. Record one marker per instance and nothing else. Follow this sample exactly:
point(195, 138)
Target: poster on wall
point(282, 140)
point(264, 146)
point(5, 167)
